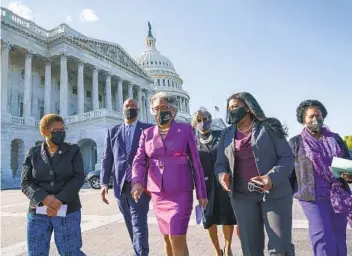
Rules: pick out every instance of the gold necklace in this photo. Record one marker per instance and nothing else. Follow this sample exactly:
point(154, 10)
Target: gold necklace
point(244, 132)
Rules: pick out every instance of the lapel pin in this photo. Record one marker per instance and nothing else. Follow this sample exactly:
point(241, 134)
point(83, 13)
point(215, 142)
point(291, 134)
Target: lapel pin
point(179, 130)
point(60, 152)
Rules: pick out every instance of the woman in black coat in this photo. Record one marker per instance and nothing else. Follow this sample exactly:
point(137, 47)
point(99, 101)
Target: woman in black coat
point(218, 210)
point(52, 176)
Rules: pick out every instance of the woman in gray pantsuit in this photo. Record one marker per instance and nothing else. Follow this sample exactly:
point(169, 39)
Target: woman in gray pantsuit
point(253, 164)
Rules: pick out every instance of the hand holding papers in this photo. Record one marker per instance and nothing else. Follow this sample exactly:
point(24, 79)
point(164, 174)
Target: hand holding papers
point(340, 166)
point(61, 212)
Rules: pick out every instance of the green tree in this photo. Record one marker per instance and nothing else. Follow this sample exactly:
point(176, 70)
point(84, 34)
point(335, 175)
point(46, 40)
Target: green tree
point(348, 140)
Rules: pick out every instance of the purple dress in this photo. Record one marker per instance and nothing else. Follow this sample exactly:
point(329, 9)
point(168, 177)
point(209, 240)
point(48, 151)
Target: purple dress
point(172, 169)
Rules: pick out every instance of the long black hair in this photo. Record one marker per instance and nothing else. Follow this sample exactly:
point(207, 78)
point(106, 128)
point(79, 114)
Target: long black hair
point(257, 113)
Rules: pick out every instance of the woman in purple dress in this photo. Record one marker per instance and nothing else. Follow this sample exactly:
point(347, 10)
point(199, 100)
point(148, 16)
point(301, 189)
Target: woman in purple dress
point(167, 156)
point(325, 200)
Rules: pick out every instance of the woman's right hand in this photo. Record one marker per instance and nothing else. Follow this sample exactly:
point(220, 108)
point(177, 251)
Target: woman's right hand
point(51, 202)
point(137, 191)
point(224, 180)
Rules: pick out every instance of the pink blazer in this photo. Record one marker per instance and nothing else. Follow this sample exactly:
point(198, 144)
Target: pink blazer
point(167, 161)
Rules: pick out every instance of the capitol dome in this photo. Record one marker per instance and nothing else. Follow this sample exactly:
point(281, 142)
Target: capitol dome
point(152, 58)
point(164, 74)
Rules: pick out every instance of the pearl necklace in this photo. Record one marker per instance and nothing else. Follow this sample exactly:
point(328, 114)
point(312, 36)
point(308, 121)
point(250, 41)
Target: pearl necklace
point(206, 141)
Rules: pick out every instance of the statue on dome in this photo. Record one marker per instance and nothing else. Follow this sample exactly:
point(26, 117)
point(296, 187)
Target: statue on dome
point(150, 30)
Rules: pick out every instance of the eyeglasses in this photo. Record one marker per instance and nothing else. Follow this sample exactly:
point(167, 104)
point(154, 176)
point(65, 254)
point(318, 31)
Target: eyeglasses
point(58, 130)
point(160, 108)
point(199, 120)
point(252, 187)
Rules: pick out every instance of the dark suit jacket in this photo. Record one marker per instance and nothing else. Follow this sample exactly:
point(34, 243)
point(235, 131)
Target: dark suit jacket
point(115, 156)
point(63, 178)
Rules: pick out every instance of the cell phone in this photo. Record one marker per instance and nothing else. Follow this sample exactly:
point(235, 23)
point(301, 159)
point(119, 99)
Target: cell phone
point(258, 182)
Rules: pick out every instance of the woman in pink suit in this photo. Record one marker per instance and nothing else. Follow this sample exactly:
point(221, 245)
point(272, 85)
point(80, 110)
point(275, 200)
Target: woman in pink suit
point(167, 154)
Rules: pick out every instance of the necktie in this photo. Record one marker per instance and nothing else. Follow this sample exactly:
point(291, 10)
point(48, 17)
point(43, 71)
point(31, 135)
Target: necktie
point(128, 150)
point(128, 140)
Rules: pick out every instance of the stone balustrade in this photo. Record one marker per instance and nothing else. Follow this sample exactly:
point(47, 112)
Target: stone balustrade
point(78, 118)
point(101, 113)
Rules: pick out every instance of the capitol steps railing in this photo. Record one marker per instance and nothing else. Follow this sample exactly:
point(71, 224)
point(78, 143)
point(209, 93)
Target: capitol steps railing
point(78, 118)
point(93, 115)
point(8, 16)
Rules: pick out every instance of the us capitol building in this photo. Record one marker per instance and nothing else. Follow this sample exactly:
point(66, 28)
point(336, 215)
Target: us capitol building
point(83, 79)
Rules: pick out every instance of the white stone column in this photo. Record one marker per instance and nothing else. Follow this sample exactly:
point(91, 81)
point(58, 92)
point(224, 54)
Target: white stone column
point(120, 95)
point(108, 92)
point(116, 99)
point(140, 103)
point(80, 88)
point(47, 90)
point(147, 98)
point(130, 90)
point(4, 74)
point(63, 86)
point(27, 96)
point(95, 90)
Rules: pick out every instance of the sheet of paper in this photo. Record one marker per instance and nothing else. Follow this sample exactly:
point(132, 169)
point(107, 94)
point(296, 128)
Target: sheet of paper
point(340, 165)
point(199, 214)
point(61, 212)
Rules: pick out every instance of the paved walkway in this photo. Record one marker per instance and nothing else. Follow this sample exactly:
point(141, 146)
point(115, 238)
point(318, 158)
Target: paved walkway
point(104, 231)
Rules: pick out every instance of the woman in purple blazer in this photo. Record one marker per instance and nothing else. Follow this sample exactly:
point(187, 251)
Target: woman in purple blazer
point(168, 155)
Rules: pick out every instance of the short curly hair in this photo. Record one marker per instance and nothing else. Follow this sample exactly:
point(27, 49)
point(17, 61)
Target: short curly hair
point(303, 106)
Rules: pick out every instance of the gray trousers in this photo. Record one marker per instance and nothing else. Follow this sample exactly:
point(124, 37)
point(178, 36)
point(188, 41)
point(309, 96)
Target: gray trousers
point(253, 213)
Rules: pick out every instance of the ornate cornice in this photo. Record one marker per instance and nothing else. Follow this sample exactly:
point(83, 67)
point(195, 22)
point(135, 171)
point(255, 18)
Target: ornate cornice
point(107, 51)
point(110, 52)
point(6, 44)
point(29, 54)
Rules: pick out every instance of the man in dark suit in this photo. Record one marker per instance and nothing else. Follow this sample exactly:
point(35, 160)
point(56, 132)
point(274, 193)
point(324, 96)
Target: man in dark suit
point(121, 145)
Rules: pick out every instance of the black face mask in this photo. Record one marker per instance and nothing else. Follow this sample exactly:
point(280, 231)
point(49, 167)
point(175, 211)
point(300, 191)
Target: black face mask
point(130, 114)
point(237, 114)
point(164, 117)
point(58, 137)
point(315, 125)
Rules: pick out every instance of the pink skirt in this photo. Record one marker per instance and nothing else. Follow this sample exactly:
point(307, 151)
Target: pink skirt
point(173, 211)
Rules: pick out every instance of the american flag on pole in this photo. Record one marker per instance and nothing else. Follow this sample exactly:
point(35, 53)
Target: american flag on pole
point(217, 108)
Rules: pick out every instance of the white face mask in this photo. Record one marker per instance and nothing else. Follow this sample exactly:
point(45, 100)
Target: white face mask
point(315, 125)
